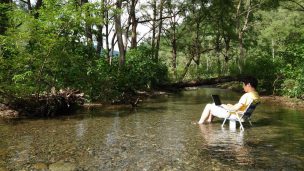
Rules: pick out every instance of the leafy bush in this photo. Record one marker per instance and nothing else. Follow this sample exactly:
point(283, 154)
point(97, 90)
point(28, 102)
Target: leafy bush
point(115, 83)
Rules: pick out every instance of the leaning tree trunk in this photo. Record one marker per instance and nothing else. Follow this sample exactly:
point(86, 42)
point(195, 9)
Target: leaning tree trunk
point(186, 67)
point(118, 28)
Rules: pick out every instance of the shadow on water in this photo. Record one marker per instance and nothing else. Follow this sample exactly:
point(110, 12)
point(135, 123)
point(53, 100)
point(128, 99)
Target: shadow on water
point(262, 122)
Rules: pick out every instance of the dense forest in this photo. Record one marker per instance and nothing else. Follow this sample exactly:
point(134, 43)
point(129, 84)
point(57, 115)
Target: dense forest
point(97, 47)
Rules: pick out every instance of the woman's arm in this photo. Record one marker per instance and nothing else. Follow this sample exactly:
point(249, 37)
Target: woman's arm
point(232, 107)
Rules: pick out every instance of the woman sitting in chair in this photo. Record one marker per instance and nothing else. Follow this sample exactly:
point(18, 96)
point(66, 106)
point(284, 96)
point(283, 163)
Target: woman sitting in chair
point(222, 111)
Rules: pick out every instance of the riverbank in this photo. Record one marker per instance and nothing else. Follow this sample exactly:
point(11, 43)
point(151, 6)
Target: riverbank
point(7, 112)
point(297, 104)
point(287, 102)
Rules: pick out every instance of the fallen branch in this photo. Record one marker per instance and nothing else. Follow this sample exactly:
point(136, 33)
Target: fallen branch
point(196, 83)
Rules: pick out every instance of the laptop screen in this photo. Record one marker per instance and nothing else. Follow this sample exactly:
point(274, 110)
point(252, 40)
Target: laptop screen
point(216, 99)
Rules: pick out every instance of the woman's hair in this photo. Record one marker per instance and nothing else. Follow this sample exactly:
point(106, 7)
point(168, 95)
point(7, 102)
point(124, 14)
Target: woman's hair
point(250, 80)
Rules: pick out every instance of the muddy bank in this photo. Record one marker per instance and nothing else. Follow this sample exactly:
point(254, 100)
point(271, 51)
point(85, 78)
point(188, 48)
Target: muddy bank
point(130, 103)
point(298, 104)
point(7, 112)
point(46, 104)
point(284, 101)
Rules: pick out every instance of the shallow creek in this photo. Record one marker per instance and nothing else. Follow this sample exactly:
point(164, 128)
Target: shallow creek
point(158, 135)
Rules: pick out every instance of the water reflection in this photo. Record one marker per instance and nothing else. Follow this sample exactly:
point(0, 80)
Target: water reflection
point(81, 128)
point(226, 145)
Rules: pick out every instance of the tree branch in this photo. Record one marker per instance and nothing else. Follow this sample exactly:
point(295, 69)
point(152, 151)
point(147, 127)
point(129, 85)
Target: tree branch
point(298, 4)
point(148, 20)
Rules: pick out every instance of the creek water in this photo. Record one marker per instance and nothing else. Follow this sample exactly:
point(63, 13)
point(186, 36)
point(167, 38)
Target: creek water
point(158, 135)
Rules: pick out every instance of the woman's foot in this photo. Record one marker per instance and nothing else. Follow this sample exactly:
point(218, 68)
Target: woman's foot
point(195, 122)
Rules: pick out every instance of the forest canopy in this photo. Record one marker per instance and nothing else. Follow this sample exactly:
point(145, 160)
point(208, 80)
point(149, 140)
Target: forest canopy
point(97, 47)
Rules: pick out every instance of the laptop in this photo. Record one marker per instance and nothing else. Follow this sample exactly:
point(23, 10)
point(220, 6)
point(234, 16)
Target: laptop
point(216, 99)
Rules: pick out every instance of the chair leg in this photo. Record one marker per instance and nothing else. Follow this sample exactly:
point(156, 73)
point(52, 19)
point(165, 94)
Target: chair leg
point(241, 125)
point(249, 120)
point(224, 122)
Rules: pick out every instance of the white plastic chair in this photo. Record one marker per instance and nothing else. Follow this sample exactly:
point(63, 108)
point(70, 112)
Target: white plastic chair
point(241, 116)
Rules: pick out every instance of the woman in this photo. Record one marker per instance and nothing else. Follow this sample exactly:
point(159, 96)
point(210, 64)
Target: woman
point(222, 111)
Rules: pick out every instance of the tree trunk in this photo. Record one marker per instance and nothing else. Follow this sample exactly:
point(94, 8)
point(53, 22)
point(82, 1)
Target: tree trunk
point(186, 67)
point(272, 49)
point(127, 29)
point(118, 28)
point(134, 24)
point(174, 51)
point(107, 33)
point(238, 30)
point(29, 5)
point(88, 29)
point(226, 53)
point(153, 25)
point(241, 52)
point(112, 48)
point(99, 38)
point(3, 16)
point(100, 27)
point(174, 54)
point(197, 44)
point(241, 31)
point(217, 51)
point(38, 5)
point(160, 24)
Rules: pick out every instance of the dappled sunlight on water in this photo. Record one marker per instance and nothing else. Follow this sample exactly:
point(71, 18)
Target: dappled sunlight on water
point(158, 135)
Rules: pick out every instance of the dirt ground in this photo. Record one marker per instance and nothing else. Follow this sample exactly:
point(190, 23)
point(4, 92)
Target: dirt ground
point(284, 101)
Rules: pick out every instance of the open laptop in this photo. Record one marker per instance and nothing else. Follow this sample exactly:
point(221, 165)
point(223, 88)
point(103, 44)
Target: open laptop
point(216, 99)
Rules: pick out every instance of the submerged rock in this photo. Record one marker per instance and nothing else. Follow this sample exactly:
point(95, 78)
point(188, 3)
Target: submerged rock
point(62, 166)
point(40, 166)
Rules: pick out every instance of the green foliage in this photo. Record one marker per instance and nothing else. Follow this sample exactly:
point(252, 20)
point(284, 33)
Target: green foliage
point(293, 71)
point(140, 72)
point(281, 40)
point(38, 53)
point(262, 66)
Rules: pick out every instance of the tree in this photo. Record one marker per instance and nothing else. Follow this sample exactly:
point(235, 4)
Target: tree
point(293, 5)
point(118, 29)
point(159, 31)
point(134, 24)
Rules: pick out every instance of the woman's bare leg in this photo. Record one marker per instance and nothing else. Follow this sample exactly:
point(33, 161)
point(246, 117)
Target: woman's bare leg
point(210, 118)
point(206, 114)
